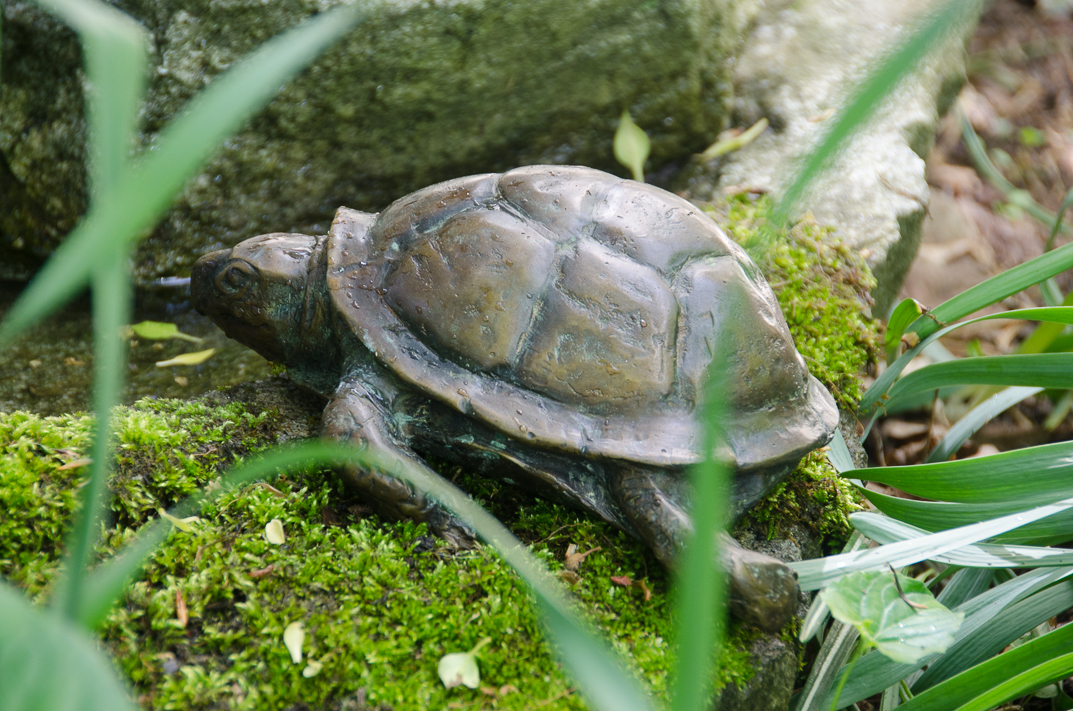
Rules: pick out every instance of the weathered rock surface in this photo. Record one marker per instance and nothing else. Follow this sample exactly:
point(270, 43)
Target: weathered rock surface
point(801, 60)
point(420, 92)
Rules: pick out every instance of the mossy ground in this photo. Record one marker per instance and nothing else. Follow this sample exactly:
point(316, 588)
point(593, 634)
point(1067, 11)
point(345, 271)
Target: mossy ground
point(380, 602)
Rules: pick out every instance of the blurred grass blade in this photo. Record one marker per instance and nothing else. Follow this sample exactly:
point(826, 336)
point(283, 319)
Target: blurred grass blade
point(1067, 202)
point(978, 152)
point(873, 673)
point(153, 179)
point(47, 663)
point(105, 584)
point(1005, 677)
point(884, 529)
point(111, 310)
point(699, 583)
point(1023, 476)
point(1042, 370)
point(871, 92)
point(817, 573)
point(976, 418)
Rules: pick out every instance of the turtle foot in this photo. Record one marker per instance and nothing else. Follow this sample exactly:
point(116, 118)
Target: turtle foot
point(763, 591)
point(456, 532)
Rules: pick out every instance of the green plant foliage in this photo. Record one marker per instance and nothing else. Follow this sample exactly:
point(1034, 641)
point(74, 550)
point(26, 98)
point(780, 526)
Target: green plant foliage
point(898, 616)
point(631, 146)
point(58, 665)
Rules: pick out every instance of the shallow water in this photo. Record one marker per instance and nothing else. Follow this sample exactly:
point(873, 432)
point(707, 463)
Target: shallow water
point(49, 370)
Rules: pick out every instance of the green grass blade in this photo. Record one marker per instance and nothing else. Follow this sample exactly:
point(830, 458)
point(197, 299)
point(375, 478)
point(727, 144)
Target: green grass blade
point(908, 311)
point(884, 529)
point(1005, 677)
point(871, 92)
point(817, 573)
point(978, 153)
point(47, 663)
point(941, 515)
point(1023, 476)
point(1006, 627)
point(976, 418)
point(878, 393)
point(1042, 370)
point(1067, 202)
point(873, 673)
point(995, 289)
point(153, 179)
point(111, 311)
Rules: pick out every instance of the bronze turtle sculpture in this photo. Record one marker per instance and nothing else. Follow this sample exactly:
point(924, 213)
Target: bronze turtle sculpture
point(550, 325)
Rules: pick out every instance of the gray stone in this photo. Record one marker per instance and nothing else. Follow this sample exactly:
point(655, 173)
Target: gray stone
point(801, 61)
point(420, 92)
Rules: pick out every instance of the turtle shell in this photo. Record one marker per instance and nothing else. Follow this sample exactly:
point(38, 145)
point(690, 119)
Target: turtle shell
point(574, 310)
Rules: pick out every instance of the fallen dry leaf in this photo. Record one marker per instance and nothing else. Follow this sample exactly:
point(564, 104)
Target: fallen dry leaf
point(180, 608)
point(575, 559)
point(84, 461)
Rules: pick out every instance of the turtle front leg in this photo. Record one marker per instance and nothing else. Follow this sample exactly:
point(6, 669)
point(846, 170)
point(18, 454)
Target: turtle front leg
point(357, 415)
point(762, 591)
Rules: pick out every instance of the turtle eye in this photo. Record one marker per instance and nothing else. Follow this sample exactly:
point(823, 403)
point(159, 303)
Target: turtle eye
point(235, 280)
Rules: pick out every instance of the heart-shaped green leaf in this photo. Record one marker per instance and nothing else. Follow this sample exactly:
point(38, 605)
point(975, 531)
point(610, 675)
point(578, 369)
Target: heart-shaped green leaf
point(897, 615)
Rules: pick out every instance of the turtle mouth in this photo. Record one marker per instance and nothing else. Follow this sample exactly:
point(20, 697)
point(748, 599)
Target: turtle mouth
point(203, 281)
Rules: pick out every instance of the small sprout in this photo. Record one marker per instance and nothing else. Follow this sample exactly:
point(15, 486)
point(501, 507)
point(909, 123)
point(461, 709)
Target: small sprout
point(183, 524)
point(195, 358)
point(460, 668)
point(734, 141)
point(157, 331)
point(293, 637)
point(631, 146)
point(1031, 137)
point(274, 532)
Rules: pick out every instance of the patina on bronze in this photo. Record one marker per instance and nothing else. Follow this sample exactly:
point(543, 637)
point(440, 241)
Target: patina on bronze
point(551, 325)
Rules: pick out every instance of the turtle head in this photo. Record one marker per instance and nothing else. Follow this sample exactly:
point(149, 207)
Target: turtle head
point(269, 293)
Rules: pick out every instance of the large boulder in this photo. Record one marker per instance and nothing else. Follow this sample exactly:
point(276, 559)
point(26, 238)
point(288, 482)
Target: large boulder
point(419, 93)
point(801, 62)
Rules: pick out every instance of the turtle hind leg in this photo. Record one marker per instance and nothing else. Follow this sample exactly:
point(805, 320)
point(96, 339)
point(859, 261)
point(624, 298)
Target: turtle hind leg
point(762, 590)
point(356, 415)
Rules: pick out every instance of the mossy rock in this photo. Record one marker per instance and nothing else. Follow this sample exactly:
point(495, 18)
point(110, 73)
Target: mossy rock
point(416, 93)
point(381, 602)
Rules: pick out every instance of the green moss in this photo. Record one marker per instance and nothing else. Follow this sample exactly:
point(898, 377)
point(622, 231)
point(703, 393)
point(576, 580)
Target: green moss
point(822, 286)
